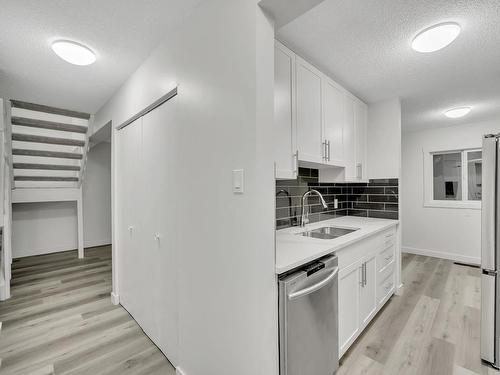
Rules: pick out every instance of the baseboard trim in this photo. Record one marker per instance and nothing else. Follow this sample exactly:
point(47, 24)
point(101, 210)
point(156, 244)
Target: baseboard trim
point(115, 299)
point(441, 254)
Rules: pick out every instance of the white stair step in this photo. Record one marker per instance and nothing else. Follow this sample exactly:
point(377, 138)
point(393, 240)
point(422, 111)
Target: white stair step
point(19, 112)
point(45, 153)
point(42, 172)
point(45, 184)
point(46, 132)
point(45, 147)
point(49, 140)
point(48, 109)
point(60, 126)
point(44, 160)
point(44, 178)
point(46, 167)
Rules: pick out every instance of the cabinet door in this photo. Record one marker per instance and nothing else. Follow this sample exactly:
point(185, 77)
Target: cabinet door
point(333, 121)
point(132, 267)
point(368, 289)
point(285, 146)
point(361, 119)
point(349, 139)
point(160, 199)
point(349, 286)
point(309, 137)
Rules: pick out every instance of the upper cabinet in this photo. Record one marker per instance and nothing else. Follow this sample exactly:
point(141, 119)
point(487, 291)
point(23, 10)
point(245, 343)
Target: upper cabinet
point(309, 132)
point(317, 122)
point(333, 122)
point(285, 125)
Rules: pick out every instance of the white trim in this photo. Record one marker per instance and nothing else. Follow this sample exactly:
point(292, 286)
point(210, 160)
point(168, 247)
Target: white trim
point(472, 205)
point(115, 299)
point(179, 371)
point(429, 201)
point(442, 255)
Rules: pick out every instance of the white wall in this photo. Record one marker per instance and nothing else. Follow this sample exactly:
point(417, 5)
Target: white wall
point(453, 233)
point(97, 196)
point(222, 59)
point(384, 139)
point(41, 228)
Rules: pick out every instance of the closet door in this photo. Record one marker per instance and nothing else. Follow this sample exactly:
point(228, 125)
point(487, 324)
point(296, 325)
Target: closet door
point(161, 198)
point(132, 273)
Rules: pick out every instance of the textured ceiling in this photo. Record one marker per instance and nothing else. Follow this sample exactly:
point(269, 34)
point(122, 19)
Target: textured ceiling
point(365, 45)
point(121, 32)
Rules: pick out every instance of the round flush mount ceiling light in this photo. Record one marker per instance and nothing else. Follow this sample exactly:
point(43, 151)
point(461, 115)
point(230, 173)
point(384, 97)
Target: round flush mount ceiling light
point(74, 53)
point(457, 112)
point(436, 37)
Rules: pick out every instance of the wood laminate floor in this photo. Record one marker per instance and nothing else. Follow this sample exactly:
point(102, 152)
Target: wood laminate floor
point(60, 321)
point(433, 329)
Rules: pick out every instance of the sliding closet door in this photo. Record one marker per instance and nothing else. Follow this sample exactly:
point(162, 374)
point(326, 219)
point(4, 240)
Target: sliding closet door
point(160, 201)
point(132, 269)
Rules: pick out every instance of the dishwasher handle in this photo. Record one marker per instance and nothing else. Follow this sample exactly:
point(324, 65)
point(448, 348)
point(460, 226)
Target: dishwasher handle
point(315, 287)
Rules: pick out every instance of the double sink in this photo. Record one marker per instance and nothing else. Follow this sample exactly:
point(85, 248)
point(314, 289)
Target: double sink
point(327, 233)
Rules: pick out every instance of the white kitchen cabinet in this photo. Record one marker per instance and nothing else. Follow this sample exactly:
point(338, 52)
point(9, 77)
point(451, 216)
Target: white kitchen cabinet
point(349, 286)
point(285, 129)
point(309, 129)
point(333, 122)
point(316, 121)
point(368, 289)
point(366, 282)
point(360, 130)
point(349, 138)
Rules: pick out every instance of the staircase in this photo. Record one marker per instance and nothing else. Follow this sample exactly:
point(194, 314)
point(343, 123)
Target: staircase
point(47, 154)
point(49, 146)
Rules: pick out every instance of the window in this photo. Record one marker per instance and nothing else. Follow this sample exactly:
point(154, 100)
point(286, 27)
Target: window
point(453, 178)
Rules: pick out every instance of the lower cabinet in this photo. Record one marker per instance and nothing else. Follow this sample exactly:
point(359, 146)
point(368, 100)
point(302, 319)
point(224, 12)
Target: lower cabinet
point(366, 282)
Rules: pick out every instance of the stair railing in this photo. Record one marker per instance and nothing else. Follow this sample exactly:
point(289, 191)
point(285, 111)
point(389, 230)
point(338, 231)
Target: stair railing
point(86, 148)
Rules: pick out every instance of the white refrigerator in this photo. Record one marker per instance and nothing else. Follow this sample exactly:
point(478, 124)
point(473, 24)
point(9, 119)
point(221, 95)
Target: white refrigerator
point(490, 248)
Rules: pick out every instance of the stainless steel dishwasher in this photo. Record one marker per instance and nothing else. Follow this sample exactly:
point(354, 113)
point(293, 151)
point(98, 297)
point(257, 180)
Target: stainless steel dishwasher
point(308, 319)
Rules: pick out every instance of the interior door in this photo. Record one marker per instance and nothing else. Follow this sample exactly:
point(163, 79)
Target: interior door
point(368, 289)
point(349, 285)
point(161, 198)
point(133, 280)
point(285, 145)
point(309, 137)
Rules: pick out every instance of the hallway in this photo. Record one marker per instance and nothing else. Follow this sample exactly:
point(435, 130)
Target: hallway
point(60, 321)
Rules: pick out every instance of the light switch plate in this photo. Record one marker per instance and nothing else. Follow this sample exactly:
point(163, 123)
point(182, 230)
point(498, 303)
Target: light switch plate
point(238, 181)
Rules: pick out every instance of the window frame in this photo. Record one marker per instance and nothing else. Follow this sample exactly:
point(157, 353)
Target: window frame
point(429, 200)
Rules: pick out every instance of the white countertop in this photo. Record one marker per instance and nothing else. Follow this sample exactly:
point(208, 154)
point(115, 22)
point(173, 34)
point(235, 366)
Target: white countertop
point(293, 250)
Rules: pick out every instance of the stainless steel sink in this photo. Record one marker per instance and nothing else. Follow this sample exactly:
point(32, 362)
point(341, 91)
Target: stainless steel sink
point(327, 233)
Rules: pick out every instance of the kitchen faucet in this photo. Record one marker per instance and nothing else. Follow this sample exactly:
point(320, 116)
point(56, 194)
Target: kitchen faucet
point(304, 218)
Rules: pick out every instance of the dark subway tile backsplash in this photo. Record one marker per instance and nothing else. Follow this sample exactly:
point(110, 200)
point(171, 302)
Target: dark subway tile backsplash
point(378, 198)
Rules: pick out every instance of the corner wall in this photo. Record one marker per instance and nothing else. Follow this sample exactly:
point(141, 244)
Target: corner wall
point(453, 233)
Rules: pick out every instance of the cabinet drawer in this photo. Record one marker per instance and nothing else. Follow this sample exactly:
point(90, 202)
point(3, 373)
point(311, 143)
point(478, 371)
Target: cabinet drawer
point(385, 288)
point(385, 257)
point(353, 253)
point(386, 272)
point(388, 238)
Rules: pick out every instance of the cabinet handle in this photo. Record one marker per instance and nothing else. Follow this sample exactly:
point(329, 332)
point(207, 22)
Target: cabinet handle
point(325, 152)
point(359, 171)
point(361, 282)
point(364, 273)
point(328, 150)
point(296, 161)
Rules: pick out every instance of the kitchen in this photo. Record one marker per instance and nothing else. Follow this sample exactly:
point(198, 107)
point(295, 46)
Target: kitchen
point(296, 187)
